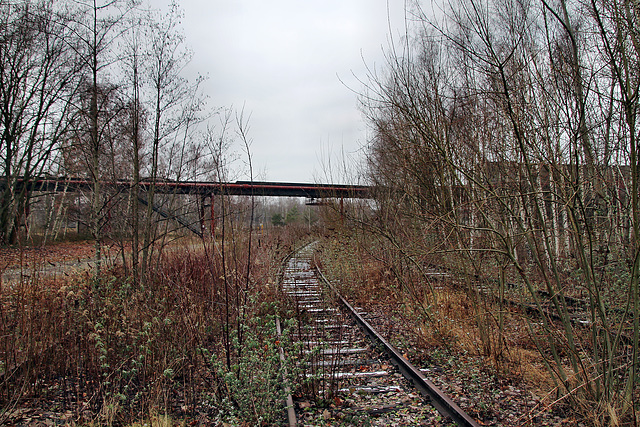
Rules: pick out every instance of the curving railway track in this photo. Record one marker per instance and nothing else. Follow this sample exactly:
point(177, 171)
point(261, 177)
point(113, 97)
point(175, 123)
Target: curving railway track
point(345, 364)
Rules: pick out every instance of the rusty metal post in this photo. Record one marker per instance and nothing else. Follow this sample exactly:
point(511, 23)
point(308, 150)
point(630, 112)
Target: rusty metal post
point(27, 212)
point(201, 214)
point(213, 218)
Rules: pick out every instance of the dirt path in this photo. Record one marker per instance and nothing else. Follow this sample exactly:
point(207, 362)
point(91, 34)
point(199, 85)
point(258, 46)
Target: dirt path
point(63, 259)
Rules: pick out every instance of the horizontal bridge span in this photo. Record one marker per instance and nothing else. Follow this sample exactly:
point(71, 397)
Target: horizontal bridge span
point(238, 188)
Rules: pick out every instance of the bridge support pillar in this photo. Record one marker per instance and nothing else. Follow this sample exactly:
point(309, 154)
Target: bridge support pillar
point(213, 218)
point(201, 214)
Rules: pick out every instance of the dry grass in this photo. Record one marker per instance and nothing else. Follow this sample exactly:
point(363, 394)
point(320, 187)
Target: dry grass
point(442, 314)
point(106, 346)
point(110, 351)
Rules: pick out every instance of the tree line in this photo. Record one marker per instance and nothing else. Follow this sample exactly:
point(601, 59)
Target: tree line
point(97, 90)
point(506, 138)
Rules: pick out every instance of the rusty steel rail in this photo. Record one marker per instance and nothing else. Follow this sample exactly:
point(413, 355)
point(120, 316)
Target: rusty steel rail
point(291, 412)
point(437, 398)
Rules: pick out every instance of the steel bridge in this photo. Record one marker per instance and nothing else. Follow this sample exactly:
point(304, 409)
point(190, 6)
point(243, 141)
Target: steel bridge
point(238, 188)
point(314, 193)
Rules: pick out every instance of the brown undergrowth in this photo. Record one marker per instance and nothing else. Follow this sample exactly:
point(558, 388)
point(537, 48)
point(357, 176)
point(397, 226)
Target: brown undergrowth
point(179, 344)
point(445, 325)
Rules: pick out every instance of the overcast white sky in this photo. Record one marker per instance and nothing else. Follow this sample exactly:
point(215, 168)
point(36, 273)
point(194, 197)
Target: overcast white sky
point(283, 60)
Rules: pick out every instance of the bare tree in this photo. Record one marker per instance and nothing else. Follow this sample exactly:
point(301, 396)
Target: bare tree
point(132, 64)
point(509, 131)
point(96, 28)
point(173, 105)
point(37, 79)
point(616, 25)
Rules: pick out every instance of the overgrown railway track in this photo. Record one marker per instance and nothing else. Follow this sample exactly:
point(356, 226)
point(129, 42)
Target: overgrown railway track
point(577, 311)
point(344, 363)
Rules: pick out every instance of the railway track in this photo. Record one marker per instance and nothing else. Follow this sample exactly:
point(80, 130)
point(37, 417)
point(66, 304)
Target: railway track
point(345, 364)
point(577, 309)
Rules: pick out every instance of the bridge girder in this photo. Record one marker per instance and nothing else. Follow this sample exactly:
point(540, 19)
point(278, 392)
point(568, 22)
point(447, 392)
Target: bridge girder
point(238, 188)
